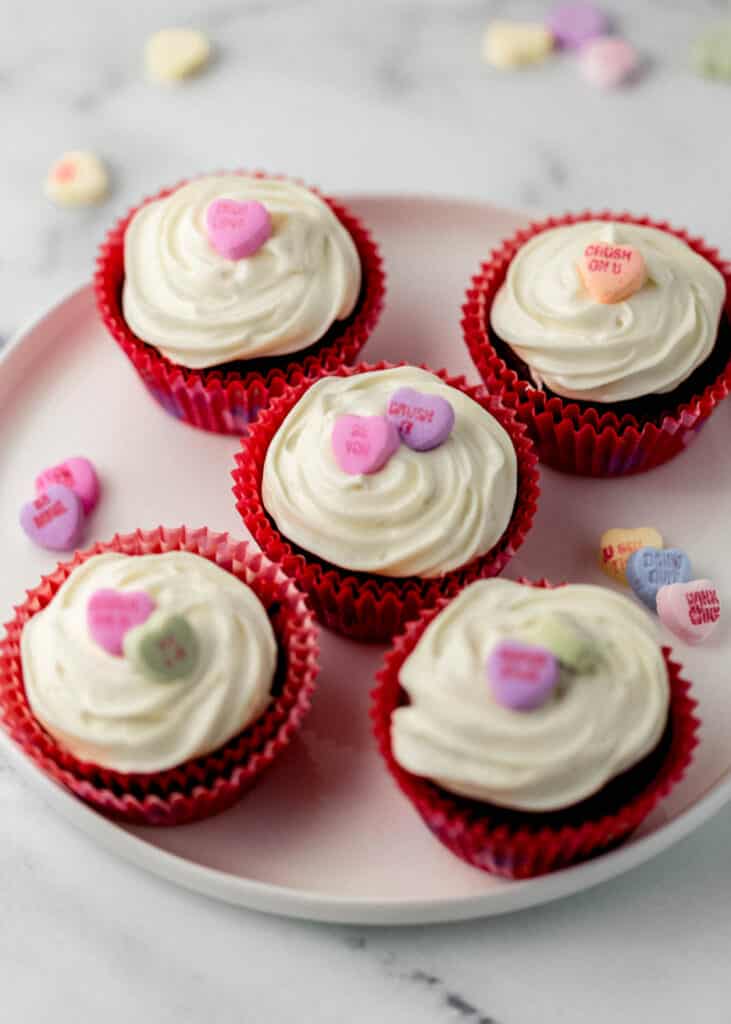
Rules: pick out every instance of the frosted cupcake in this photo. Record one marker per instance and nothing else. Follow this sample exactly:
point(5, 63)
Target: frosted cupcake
point(232, 285)
point(533, 727)
point(609, 334)
point(381, 488)
point(159, 673)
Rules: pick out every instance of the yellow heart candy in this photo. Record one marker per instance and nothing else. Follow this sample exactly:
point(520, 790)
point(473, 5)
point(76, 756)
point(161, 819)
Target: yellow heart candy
point(617, 544)
point(175, 53)
point(512, 44)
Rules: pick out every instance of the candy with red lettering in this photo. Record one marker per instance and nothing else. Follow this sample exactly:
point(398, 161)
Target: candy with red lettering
point(689, 610)
point(237, 230)
point(78, 474)
point(617, 544)
point(55, 519)
point(111, 614)
point(612, 271)
point(608, 62)
point(423, 421)
point(164, 649)
point(521, 676)
point(364, 444)
point(649, 569)
point(573, 24)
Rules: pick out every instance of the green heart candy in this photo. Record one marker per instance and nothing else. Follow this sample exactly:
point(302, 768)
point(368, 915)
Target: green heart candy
point(165, 648)
point(562, 638)
point(711, 52)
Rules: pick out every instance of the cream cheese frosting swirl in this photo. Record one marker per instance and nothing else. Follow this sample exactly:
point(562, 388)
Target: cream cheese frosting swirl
point(422, 514)
point(200, 309)
point(578, 348)
point(598, 722)
point(104, 710)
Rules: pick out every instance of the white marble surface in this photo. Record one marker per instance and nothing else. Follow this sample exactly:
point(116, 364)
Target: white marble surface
point(381, 96)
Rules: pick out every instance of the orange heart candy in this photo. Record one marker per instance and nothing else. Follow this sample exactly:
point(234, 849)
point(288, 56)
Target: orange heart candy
point(611, 271)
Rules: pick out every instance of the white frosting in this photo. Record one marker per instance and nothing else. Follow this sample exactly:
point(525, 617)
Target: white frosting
point(423, 514)
point(597, 723)
point(200, 309)
point(647, 344)
point(106, 711)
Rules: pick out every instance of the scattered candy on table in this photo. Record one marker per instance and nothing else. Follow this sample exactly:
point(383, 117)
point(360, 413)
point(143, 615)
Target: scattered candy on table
point(617, 544)
point(237, 230)
point(111, 614)
point(711, 52)
point(512, 44)
point(573, 24)
point(689, 610)
point(55, 519)
point(364, 444)
point(176, 53)
point(651, 568)
point(612, 273)
point(608, 62)
point(78, 474)
point(78, 178)
point(521, 676)
point(164, 648)
point(423, 421)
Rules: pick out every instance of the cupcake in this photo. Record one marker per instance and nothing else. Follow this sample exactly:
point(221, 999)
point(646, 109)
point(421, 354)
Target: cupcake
point(533, 727)
point(228, 287)
point(157, 676)
point(381, 488)
point(608, 335)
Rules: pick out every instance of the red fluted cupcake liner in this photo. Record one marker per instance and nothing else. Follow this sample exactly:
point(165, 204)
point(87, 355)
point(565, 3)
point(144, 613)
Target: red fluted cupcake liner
point(581, 438)
point(227, 399)
point(520, 844)
point(205, 785)
point(360, 605)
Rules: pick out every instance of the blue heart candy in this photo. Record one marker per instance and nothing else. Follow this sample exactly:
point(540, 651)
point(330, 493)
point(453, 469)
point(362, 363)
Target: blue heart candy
point(651, 568)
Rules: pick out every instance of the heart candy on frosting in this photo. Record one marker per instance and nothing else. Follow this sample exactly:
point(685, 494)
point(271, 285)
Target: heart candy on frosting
point(423, 421)
point(111, 614)
point(364, 444)
point(521, 676)
point(689, 610)
point(164, 648)
point(612, 271)
point(78, 474)
point(55, 519)
point(237, 230)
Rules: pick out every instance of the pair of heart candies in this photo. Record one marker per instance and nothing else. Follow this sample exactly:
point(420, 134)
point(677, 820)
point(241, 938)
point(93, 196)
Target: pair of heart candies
point(67, 493)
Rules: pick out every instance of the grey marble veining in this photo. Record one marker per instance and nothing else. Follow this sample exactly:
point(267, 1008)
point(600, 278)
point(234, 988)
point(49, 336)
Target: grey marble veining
point(384, 96)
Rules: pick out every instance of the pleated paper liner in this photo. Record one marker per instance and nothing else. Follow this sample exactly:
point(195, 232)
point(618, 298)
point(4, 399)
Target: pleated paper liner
point(518, 844)
point(226, 399)
point(208, 784)
point(577, 437)
point(359, 605)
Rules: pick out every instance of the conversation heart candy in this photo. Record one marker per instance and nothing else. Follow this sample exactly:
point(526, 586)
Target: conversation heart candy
point(564, 638)
point(165, 648)
point(423, 421)
point(651, 568)
point(612, 271)
point(573, 24)
point(513, 44)
point(175, 53)
point(608, 62)
point(689, 610)
point(364, 444)
point(617, 544)
point(78, 474)
point(237, 230)
point(55, 519)
point(521, 676)
point(111, 614)
point(711, 52)
point(78, 178)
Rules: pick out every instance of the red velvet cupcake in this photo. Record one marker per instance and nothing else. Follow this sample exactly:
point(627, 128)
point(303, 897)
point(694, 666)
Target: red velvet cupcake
point(451, 499)
point(187, 663)
point(223, 290)
point(608, 334)
point(532, 729)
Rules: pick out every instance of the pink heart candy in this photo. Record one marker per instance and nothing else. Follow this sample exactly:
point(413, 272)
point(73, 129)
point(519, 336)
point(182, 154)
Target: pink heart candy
point(237, 230)
point(55, 519)
point(612, 271)
point(78, 474)
point(111, 614)
point(689, 610)
point(521, 676)
point(423, 421)
point(608, 61)
point(363, 444)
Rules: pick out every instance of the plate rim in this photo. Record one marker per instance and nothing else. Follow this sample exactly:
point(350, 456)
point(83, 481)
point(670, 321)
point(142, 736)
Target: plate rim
point(314, 905)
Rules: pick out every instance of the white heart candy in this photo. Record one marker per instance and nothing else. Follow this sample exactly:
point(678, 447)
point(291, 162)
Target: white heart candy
point(79, 178)
point(175, 53)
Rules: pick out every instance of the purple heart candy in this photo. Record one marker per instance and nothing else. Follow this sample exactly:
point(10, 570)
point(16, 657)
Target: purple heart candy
point(423, 421)
point(55, 519)
point(521, 676)
point(574, 24)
